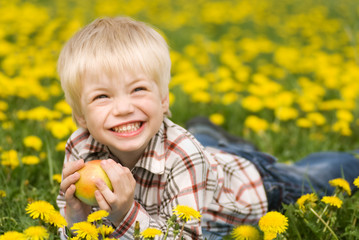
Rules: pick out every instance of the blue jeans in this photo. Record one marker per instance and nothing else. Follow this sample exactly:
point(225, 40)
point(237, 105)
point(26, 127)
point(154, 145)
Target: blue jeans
point(286, 183)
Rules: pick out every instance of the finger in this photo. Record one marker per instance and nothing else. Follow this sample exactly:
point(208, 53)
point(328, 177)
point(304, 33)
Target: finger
point(68, 181)
point(71, 167)
point(70, 193)
point(114, 170)
point(111, 168)
point(72, 201)
point(123, 182)
point(104, 196)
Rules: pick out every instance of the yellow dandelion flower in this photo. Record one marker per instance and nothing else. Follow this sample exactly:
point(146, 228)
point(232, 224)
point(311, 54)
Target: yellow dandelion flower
point(245, 232)
point(11, 235)
point(75, 238)
point(33, 142)
point(36, 233)
point(256, 124)
point(63, 106)
point(186, 213)
point(97, 216)
point(342, 184)
point(304, 123)
point(309, 199)
point(105, 230)
point(217, 118)
point(30, 160)
point(286, 113)
point(60, 146)
point(40, 209)
point(273, 222)
point(332, 201)
point(10, 158)
point(2, 193)
point(57, 220)
point(151, 233)
point(269, 235)
point(356, 182)
point(85, 230)
point(57, 177)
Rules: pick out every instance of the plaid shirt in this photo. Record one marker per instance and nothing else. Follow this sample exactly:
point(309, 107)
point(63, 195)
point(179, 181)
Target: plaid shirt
point(175, 169)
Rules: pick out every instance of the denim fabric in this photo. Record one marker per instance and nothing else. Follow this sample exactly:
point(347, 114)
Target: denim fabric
point(286, 183)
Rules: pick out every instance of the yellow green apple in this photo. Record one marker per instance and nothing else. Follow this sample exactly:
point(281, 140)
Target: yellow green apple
point(85, 186)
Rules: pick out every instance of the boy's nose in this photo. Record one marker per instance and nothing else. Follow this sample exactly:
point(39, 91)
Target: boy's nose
point(122, 106)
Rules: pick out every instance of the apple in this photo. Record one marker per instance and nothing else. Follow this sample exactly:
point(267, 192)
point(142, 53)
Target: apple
point(85, 186)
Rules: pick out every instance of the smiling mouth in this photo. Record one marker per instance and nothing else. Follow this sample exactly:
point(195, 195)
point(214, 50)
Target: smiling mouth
point(127, 128)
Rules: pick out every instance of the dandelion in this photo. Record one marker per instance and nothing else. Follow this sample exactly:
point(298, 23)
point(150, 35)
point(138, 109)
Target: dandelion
point(356, 182)
point(97, 216)
point(36, 233)
point(273, 223)
point(245, 232)
point(2, 193)
point(309, 199)
point(304, 123)
point(332, 201)
point(256, 124)
point(10, 158)
point(341, 184)
point(33, 142)
point(11, 235)
point(186, 213)
point(217, 118)
point(252, 103)
point(40, 209)
point(3, 106)
point(57, 220)
point(85, 230)
point(30, 160)
point(57, 177)
point(105, 230)
point(269, 235)
point(63, 106)
point(286, 113)
point(151, 233)
point(60, 146)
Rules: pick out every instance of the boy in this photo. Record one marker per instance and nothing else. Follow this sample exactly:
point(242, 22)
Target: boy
point(115, 74)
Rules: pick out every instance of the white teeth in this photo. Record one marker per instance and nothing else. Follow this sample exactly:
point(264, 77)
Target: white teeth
point(131, 127)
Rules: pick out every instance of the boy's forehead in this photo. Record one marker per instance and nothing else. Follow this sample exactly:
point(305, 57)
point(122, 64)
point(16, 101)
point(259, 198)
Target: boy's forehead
point(114, 75)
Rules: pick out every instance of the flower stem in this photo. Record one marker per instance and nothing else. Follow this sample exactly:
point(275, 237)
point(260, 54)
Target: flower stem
point(167, 230)
point(326, 224)
point(181, 233)
point(325, 209)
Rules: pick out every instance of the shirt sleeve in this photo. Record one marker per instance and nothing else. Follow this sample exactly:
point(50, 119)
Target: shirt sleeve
point(187, 182)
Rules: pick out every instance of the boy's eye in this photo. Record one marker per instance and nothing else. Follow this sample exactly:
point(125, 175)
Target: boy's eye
point(100, 96)
point(139, 89)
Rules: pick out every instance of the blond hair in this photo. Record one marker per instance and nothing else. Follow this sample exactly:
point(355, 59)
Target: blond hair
point(110, 46)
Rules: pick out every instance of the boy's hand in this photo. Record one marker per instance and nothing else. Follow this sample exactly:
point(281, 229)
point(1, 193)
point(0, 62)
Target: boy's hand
point(118, 202)
point(75, 209)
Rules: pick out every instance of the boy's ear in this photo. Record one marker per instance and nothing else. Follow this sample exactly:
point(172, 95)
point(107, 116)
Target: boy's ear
point(165, 103)
point(81, 121)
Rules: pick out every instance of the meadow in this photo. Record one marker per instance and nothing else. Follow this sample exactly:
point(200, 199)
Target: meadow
point(282, 74)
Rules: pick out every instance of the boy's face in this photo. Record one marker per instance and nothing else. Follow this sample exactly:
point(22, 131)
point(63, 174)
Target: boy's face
point(123, 112)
